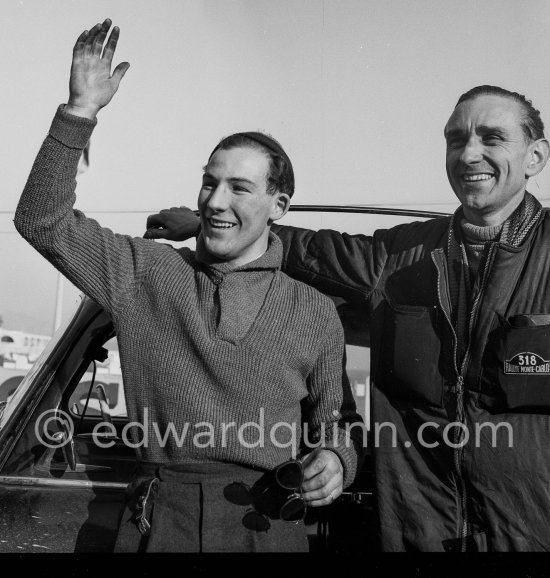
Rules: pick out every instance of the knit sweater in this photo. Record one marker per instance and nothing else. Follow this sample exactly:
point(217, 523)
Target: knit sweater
point(218, 364)
point(475, 239)
point(464, 263)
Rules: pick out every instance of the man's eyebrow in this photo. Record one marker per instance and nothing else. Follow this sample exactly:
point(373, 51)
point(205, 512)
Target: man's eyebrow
point(231, 180)
point(480, 129)
point(484, 129)
point(242, 180)
point(453, 133)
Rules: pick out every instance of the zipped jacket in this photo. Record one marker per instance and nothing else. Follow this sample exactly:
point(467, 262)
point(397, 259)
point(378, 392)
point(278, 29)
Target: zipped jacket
point(460, 445)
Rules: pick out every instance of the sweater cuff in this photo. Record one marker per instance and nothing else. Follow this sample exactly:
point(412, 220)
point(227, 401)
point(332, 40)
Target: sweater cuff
point(70, 130)
point(348, 451)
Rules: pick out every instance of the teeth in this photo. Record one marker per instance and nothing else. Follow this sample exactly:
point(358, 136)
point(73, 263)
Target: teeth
point(478, 177)
point(221, 224)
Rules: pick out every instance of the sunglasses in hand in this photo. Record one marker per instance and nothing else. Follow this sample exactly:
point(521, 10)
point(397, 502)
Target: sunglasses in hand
point(288, 478)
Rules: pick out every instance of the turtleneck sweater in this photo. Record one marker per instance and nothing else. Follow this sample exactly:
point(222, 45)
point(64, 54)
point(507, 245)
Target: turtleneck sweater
point(475, 238)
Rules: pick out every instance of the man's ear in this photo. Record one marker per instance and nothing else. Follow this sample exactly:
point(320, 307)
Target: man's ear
point(280, 207)
point(539, 150)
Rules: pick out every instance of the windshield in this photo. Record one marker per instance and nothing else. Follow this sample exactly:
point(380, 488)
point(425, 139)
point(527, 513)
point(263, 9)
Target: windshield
point(12, 401)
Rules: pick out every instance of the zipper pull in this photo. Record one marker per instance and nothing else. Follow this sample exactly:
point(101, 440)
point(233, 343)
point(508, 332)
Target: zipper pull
point(459, 386)
point(460, 402)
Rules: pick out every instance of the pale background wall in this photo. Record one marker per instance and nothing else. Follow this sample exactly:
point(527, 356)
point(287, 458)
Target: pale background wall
point(358, 92)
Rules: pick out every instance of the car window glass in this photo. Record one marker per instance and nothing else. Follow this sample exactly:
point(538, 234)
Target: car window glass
point(19, 368)
point(108, 377)
point(59, 440)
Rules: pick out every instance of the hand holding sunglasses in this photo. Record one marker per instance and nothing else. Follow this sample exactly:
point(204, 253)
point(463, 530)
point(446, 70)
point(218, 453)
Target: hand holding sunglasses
point(287, 477)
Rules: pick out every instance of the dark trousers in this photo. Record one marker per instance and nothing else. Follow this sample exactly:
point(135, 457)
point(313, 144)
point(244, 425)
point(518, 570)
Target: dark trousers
point(207, 507)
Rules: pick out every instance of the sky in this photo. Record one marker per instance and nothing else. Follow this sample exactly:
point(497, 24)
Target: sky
point(357, 91)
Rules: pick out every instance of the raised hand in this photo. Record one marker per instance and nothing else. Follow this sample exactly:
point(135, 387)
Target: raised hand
point(174, 224)
point(92, 86)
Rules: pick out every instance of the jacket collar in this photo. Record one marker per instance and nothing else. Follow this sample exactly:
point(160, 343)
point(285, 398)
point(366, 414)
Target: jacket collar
point(515, 229)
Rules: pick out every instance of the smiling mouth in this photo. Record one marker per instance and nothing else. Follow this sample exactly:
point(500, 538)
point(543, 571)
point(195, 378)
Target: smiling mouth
point(472, 178)
point(218, 224)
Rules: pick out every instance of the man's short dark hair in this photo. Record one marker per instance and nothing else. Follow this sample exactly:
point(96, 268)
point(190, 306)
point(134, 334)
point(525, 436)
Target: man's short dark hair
point(281, 174)
point(532, 124)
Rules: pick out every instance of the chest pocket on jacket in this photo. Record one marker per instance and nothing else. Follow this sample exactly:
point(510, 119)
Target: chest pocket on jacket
point(516, 366)
point(410, 354)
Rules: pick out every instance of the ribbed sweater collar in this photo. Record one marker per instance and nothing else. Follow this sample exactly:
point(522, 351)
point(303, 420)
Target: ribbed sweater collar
point(270, 260)
point(475, 235)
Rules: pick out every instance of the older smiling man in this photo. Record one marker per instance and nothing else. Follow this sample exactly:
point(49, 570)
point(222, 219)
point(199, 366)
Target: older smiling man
point(218, 340)
point(460, 335)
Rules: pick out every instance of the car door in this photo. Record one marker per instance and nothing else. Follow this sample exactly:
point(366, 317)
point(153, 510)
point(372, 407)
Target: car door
point(59, 490)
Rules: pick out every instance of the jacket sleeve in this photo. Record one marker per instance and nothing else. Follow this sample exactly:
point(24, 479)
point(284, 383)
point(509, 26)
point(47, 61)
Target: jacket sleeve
point(342, 265)
point(332, 419)
point(104, 265)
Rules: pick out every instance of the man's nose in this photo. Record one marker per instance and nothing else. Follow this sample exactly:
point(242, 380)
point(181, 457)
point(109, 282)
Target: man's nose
point(472, 151)
point(218, 199)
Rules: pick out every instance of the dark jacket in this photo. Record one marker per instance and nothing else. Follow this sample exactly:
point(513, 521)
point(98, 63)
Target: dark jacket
point(447, 478)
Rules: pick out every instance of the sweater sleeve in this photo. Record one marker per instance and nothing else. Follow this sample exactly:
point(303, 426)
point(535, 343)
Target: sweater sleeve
point(347, 266)
point(104, 265)
point(333, 422)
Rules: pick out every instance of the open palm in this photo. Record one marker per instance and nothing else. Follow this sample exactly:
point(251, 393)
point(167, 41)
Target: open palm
point(92, 85)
